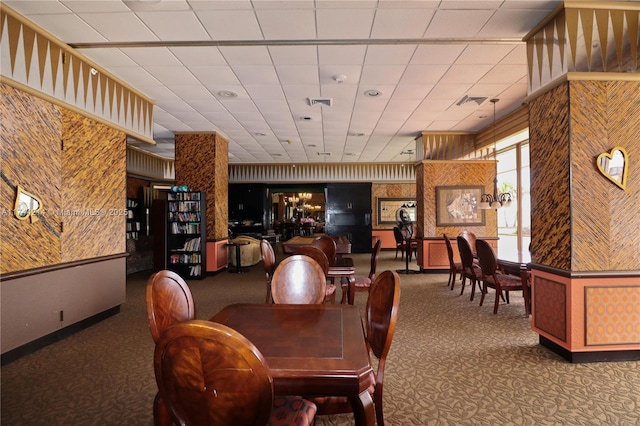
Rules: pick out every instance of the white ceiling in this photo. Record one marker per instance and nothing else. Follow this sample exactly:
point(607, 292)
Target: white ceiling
point(422, 56)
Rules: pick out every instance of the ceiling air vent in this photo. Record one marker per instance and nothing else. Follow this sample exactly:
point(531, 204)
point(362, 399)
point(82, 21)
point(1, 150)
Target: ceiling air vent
point(324, 153)
point(477, 99)
point(320, 101)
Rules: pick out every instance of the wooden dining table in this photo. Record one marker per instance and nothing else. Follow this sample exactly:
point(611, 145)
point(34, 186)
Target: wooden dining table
point(312, 350)
point(343, 245)
point(517, 263)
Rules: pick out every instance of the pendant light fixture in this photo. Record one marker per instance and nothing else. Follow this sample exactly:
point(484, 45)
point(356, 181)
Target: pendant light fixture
point(495, 200)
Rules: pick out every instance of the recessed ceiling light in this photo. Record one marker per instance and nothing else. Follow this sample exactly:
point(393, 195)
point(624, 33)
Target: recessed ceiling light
point(373, 93)
point(227, 94)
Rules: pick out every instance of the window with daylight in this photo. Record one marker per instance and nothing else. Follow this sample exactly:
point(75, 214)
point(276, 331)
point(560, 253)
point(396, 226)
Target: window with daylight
point(514, 222)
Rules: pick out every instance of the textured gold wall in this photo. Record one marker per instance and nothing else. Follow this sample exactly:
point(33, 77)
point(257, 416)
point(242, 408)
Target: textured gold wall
point(31, 158)
point(94, 173)
point(430, 174)
point(82, 187)
point(202, 163)
point(605, 218)
point(550, 177)
point(581, 221)
point(388, 190)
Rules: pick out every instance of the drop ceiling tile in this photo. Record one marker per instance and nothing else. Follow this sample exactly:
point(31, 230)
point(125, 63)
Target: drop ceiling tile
point(269, 92)
point(401, 23)
point(256, 74)
point(460, 74)
point(215, 76)
point(37, 7)
point(198, 55)
point(484, 54)
point(351, 72)
point(412, 91)
point(152, 56)
point(292, 24)
point(462, 23)
point(174, 26)
point(507, 74)
point(388, 55)
point(108, 57)
point(382, 74)
point(515, 23)
point(68, 28)
point(117, 27)
point(344, 23)
point(298, 75)
point(173, 75)
point(429, 54)
point(135, 76)
point(231, 24)
point(342, 54)
point(294, 55)
point(246, 55)
point(423, 74)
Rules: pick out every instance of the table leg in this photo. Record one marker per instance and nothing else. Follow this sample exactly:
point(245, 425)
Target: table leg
point(364, 412)
point(352, 289)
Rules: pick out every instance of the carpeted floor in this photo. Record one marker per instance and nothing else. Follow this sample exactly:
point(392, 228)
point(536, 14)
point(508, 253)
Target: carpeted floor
point(451, 363)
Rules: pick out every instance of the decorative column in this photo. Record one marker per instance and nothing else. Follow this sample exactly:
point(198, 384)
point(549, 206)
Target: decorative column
point(202, 163)
point(441, 171)
point(584, 105)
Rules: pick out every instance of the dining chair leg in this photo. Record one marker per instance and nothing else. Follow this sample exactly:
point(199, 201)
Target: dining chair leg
point(497, 302)
point(473, 289)
point(268, 297)
point(483, 293)
point(464, 281)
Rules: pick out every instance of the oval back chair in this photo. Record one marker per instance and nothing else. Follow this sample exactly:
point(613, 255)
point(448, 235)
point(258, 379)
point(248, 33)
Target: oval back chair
point(298, 279)
point(471, 239)
point(381, 316)
point(328, 246)
point(318, 255)
point(269, 264)
point(209, 374)
point(169, 301)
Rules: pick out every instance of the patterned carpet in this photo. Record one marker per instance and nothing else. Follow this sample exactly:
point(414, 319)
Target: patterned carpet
point(451, 363)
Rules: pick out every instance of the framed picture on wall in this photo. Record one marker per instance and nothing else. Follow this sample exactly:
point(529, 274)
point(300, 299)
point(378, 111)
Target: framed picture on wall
point(458, 206)
point(387, 208)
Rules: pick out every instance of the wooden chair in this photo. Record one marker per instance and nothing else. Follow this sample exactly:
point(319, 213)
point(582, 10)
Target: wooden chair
point(400, 243)
point(491, 277)
point(381, 316)
point(298, 279)
point(209, 374)
point(269, 264)
point(362, 282)
point(318, 255)
point(455, 268)
point(169, 301)
point(328, 246)
point(471, 239)
point(470, 269)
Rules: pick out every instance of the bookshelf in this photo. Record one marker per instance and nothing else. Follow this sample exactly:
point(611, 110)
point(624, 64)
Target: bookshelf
point(134, 219)
point(186, 234)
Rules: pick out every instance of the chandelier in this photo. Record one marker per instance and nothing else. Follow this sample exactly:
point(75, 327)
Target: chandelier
point(495, 200)
point(304, 196)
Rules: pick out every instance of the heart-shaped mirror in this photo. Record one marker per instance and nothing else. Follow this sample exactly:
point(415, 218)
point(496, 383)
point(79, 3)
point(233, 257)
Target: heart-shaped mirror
point(613, 165)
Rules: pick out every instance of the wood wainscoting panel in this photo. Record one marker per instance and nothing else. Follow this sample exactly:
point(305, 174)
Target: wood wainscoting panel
point(612, 315)
point(550, 299)
point(93, 206)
